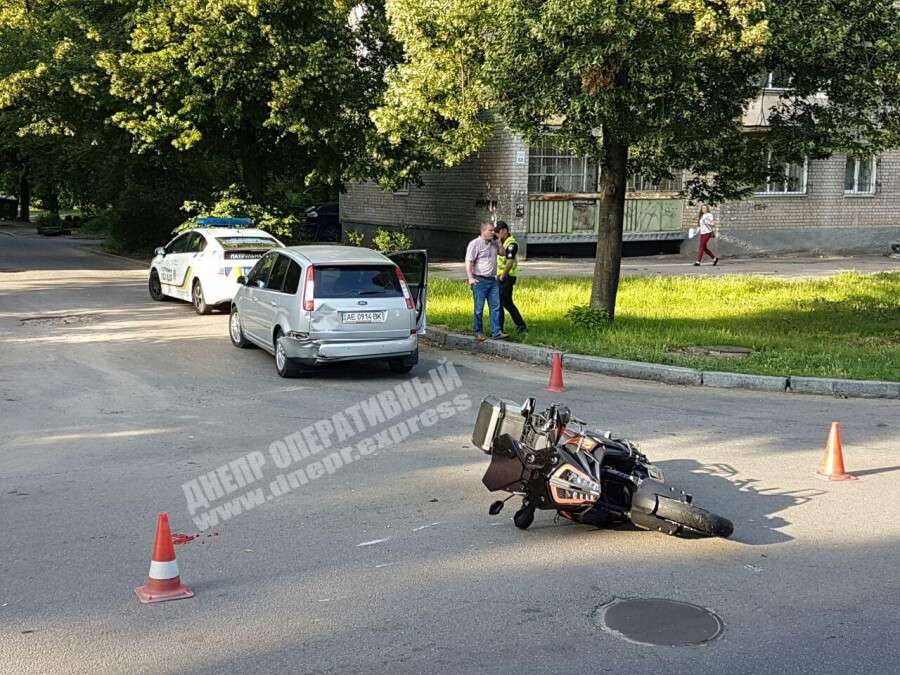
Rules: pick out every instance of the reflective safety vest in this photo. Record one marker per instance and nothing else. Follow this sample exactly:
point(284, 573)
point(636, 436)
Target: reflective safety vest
point(501, 259)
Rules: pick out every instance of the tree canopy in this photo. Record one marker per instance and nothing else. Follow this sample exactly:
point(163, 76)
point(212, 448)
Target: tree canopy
point(173, 101)
point(645, 87)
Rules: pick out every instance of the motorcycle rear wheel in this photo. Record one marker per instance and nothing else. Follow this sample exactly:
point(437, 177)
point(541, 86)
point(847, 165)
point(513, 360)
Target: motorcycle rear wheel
point(694, 518)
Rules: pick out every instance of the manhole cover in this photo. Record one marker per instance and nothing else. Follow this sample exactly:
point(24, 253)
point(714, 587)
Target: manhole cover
point(668, 623)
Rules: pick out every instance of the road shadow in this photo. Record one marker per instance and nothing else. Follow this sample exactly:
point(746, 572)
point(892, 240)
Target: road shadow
point(873, 472)
point(752, 508)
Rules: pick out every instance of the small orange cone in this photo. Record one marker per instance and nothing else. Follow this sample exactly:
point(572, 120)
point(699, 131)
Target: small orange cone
point(556, 374)
point(163, 582)
point(833, 461)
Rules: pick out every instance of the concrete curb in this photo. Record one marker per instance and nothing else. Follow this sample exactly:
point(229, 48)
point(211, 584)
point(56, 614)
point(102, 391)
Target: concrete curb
point(637, 370)
point(845, 388)
point(713, 378)
point(658, 372)
point(99, 251)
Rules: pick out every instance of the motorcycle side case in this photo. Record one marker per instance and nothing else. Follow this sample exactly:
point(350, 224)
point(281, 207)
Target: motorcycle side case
point(496, 417)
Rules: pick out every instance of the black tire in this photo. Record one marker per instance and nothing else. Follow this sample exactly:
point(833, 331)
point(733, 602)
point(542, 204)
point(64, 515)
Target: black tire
point(198, 300)
point(524, 517)
point(155, 287)
point(284, 366)
point(693, 518)
point(236, 331)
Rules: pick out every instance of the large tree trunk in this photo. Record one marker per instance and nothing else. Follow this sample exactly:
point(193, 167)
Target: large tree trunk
point(253, 165)
point(613, 174)
point(51, 201)
point(24, 197)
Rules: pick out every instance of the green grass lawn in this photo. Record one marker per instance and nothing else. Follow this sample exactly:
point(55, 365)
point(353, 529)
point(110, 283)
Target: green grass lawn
point(845, 326)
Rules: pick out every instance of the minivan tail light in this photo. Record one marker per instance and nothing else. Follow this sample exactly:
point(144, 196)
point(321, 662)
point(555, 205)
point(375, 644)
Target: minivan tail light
point(309, 290)
point(405, 287)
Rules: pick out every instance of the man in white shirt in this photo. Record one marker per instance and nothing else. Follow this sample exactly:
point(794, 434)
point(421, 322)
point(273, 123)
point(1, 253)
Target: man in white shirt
point(481, 269)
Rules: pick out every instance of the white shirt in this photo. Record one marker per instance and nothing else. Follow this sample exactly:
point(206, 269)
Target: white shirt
point(707, 223)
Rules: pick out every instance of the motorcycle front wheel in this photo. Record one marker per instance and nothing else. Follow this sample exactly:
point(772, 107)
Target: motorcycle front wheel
point(694, 518)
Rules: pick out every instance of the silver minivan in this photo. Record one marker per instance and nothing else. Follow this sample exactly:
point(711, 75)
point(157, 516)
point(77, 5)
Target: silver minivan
point(310, 305)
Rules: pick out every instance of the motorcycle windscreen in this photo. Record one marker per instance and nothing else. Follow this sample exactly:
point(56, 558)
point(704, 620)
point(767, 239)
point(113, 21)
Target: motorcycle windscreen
point(503, 473)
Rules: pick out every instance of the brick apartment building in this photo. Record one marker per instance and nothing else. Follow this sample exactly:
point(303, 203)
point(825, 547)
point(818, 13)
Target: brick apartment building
point(549, 198)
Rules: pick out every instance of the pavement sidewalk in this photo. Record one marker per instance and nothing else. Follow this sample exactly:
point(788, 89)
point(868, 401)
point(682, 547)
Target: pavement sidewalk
point(793, 267)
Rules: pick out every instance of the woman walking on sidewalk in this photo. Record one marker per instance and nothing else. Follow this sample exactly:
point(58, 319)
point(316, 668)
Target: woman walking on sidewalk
point(707, 226)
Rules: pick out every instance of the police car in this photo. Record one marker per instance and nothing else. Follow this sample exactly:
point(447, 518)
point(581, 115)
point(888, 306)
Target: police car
point(202, 265)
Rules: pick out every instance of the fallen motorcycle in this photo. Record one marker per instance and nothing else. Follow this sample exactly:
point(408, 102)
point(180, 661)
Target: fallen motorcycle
point(554, 462)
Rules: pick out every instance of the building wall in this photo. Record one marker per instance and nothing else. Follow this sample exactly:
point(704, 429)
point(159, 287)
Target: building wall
point(824, 220)
point(445, 212)
point(503, 180)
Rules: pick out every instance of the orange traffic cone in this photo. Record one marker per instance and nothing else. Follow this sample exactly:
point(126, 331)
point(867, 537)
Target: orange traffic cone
point(163, 582)
point(833, 461)
point(556, 374)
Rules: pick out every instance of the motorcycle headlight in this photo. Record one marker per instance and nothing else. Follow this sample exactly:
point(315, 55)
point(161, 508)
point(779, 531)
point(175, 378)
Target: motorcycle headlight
point(570, 485)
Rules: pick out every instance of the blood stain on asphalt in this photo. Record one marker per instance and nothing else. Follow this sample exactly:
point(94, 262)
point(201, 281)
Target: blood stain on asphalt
point(181, 538)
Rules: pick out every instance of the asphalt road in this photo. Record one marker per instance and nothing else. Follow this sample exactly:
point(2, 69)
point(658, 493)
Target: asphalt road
point(110, 402)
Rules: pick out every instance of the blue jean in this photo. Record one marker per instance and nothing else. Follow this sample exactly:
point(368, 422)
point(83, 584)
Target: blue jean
point(487, 288)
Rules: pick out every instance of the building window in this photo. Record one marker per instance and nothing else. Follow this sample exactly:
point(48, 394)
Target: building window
point(551, 170)
point(642, 183)
point(859, 176)
point(402, 189)
point(785, 178)
point(777, 80)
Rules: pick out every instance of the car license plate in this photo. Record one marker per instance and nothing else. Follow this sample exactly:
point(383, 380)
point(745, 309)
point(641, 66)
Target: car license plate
point(364, 317)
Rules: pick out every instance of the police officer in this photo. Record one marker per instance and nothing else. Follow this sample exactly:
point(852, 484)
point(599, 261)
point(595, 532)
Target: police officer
point(507, 271)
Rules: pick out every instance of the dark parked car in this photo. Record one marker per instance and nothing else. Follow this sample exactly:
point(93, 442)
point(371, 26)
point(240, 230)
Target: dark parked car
point(51, 227)
point(8, 208)
point(322, 223)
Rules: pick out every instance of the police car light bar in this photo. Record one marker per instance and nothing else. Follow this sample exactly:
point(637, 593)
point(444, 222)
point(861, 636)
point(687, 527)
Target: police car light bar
point(224, 222)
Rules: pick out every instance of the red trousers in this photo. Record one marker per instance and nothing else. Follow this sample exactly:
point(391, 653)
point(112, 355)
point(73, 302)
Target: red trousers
point(704, 247)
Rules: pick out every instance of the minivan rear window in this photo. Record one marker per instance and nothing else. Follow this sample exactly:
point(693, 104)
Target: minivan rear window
point(356, 281)
point(247, 242)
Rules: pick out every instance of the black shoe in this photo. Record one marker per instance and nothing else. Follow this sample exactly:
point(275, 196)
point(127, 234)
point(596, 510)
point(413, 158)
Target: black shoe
point(715, 262)
point(696, 264)
point(521, 329)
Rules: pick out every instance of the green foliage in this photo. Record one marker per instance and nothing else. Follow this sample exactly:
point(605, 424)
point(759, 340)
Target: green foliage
point(386, 241)
point(643, 87)
point(48, 219)
point(354, 238)
point(279, 85)
point(117, 104)
point(844, 326)
point(586, 317)
point(100, 223)
point(234, 202)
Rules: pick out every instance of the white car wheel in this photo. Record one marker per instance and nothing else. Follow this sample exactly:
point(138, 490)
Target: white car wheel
point(280, 356)
point(198, 300)
point(285, 366)
point(235, 331)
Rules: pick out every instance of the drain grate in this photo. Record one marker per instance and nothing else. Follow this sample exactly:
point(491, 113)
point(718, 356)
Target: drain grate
point(659, 622)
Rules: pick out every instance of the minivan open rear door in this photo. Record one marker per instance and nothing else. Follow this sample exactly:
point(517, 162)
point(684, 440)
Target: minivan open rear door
point(414, 265)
